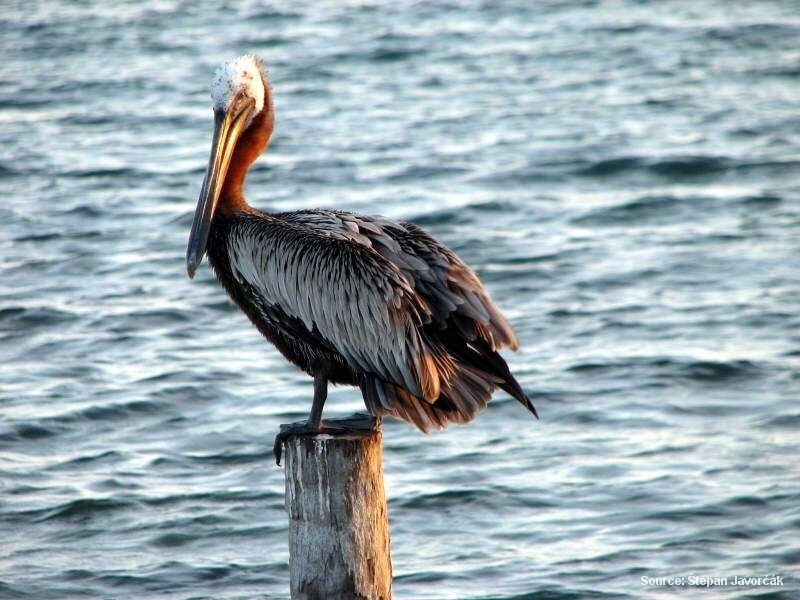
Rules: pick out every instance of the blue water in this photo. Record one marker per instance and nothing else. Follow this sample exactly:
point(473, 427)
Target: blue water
point(625, 177)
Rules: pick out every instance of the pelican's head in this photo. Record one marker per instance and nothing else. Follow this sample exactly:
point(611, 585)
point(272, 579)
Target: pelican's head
point(241, 80)
point(243, 121)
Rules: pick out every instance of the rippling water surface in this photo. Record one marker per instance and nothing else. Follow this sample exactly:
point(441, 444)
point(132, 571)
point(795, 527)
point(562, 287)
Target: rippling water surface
point(624, 176)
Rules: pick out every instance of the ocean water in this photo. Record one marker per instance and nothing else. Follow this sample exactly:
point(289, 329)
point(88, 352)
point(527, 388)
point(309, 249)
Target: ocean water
point(624, 176)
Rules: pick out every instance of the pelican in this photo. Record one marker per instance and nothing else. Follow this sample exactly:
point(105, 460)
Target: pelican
point(351, 299)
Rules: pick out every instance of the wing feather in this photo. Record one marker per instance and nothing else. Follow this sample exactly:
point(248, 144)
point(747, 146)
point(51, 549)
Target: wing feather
point(355, 299)
point(444, 283)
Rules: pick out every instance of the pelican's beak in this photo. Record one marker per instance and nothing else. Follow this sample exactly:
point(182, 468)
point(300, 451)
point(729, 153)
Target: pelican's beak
point(228, 126)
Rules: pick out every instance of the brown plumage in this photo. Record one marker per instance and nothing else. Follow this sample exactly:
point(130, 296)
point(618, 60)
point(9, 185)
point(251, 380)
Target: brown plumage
point(354, 299)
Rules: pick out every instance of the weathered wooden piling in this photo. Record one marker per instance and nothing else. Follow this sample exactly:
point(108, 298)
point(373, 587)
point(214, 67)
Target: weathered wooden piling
point(338, 517)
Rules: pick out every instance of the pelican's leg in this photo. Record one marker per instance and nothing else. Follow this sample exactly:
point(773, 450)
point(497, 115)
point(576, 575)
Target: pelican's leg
point(311, 425)
point(320, 395)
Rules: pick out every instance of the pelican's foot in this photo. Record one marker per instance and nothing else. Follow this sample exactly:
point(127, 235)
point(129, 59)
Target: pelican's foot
point(355, 423)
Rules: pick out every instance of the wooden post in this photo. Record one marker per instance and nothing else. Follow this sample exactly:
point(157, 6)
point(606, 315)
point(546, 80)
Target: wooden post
point(338, 518)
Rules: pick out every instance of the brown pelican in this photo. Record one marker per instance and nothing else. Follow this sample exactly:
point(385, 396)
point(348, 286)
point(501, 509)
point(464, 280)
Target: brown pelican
point(360, 300)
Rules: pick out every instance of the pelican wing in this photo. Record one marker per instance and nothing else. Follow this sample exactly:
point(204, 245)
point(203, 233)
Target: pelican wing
point(460, 336)
point(449, 288)
point(345, 296)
